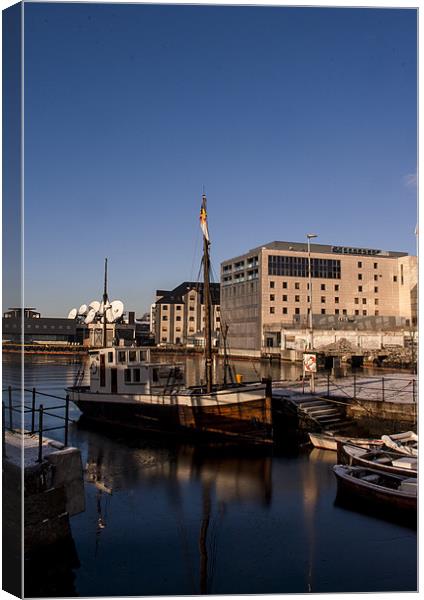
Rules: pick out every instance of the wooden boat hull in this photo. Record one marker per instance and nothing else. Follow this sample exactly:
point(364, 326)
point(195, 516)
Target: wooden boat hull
point(374, 495)
point(249, 421)
point(327, 442)
point(354, 457)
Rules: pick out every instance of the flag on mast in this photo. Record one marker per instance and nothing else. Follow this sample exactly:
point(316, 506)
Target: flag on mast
point(203, 219)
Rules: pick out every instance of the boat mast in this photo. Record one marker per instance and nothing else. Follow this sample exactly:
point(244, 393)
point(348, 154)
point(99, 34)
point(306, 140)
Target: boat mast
point(105, 301)
point(206, 296)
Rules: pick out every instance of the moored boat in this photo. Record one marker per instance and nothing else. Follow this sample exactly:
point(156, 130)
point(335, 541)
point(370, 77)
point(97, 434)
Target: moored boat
point(327, 441)
point(381, 459)
point(128, 389)
point(382, 490)
point(406, 443)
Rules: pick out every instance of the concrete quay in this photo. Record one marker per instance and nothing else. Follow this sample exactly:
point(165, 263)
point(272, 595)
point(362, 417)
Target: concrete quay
point(53, 489)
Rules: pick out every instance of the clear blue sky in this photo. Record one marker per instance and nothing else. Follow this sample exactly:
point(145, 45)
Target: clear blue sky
point(294, 120)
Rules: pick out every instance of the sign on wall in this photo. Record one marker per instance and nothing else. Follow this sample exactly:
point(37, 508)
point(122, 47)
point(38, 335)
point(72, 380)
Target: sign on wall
point(309, 363)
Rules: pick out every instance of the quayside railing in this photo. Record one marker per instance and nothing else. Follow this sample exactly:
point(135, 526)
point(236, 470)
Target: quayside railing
point(38, 414)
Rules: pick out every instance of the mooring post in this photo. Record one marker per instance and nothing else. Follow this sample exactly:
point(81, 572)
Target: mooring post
point(40, 433)
point(382, 388)
point(3, 430)
point(66, 419)
point(33, 411)
point(10, 409)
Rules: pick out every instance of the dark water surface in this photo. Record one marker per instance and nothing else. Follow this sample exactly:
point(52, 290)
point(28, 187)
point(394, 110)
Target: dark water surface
point(165, 518)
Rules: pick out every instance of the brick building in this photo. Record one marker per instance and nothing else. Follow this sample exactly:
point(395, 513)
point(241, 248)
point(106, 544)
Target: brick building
point(179, 313)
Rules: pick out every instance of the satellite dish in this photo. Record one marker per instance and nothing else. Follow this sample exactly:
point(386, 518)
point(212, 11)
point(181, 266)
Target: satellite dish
point(90, 317)
point(114, 311)
point(83, 310)
point(95, 305)
point(72, 313)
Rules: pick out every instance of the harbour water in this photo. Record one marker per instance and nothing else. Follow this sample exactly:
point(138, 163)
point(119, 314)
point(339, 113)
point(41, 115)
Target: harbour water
point(166, 518)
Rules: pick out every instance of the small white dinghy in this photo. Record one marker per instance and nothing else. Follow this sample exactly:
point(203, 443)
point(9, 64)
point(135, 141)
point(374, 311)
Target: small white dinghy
point(384, 460)
point(406, 443)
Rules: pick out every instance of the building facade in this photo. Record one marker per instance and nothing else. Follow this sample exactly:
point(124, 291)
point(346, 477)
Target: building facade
point(179, 314)
point(265, 292)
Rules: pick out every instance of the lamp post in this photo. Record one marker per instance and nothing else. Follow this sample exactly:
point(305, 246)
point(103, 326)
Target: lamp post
point(311, 326)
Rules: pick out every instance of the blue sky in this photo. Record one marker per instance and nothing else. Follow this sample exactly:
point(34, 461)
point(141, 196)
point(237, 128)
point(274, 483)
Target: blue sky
point(294, 120)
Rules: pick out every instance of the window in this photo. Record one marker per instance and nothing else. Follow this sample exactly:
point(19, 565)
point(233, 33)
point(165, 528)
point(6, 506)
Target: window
point(297, 286)
point(136, 375)
point(284, 285)
point(336, 300)
point(336, 287)
point(178, 329)
point(191, 319)
point(121, 356)
point(375, 300)
point(359, 265)
point(110, 357)
point(344, 311)
point(376, 290)
point(284, 310)
point(272, 284)
point(178, 318)
point(359, 288)
point(271, 298)
point(132, 356)
point(155, 375)
point(323, 311)
point(337, 312)
point(164, 339)
point(356, 312)
point(364, 300)
point(395, 278)
point(322, 299)
point(364, 312)
point(272, 310)
point(164, 307)
point(356, 300)
point(359, 275)
point(297, 311)
point(323, 286)
point(165, 318)
point(297, 266)
point(284, 298)
point(297, 298)
point(375, 277)
point(178, 307)
point(375, 265)
point(191, 308)
point(376, 313)
point(127, 375)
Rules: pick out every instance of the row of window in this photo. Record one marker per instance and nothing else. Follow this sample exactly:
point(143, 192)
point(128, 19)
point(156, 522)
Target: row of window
point(298, 266)
point(128, 356)
point(323, 311)
point(360, 265)
point(178, 307)
point(284, 298)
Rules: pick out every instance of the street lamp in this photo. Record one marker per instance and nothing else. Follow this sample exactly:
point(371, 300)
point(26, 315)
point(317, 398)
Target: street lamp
point(310, 236)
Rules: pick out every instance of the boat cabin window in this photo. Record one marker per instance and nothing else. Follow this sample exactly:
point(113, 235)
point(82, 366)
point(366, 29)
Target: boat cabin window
point(121, 356)
point(143, 355)
point(136, 375)
point(132, 356)
point(127, 375)
point(110, 357)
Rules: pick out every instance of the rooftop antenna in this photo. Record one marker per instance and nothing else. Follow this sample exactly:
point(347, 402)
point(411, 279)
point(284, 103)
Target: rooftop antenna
point(105, 302)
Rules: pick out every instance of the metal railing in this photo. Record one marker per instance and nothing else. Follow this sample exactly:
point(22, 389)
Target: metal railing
point(9, 409)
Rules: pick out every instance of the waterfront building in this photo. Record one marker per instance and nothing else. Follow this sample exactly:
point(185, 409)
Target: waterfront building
point(265, 296)
point(38, 329)
point(179, 314)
